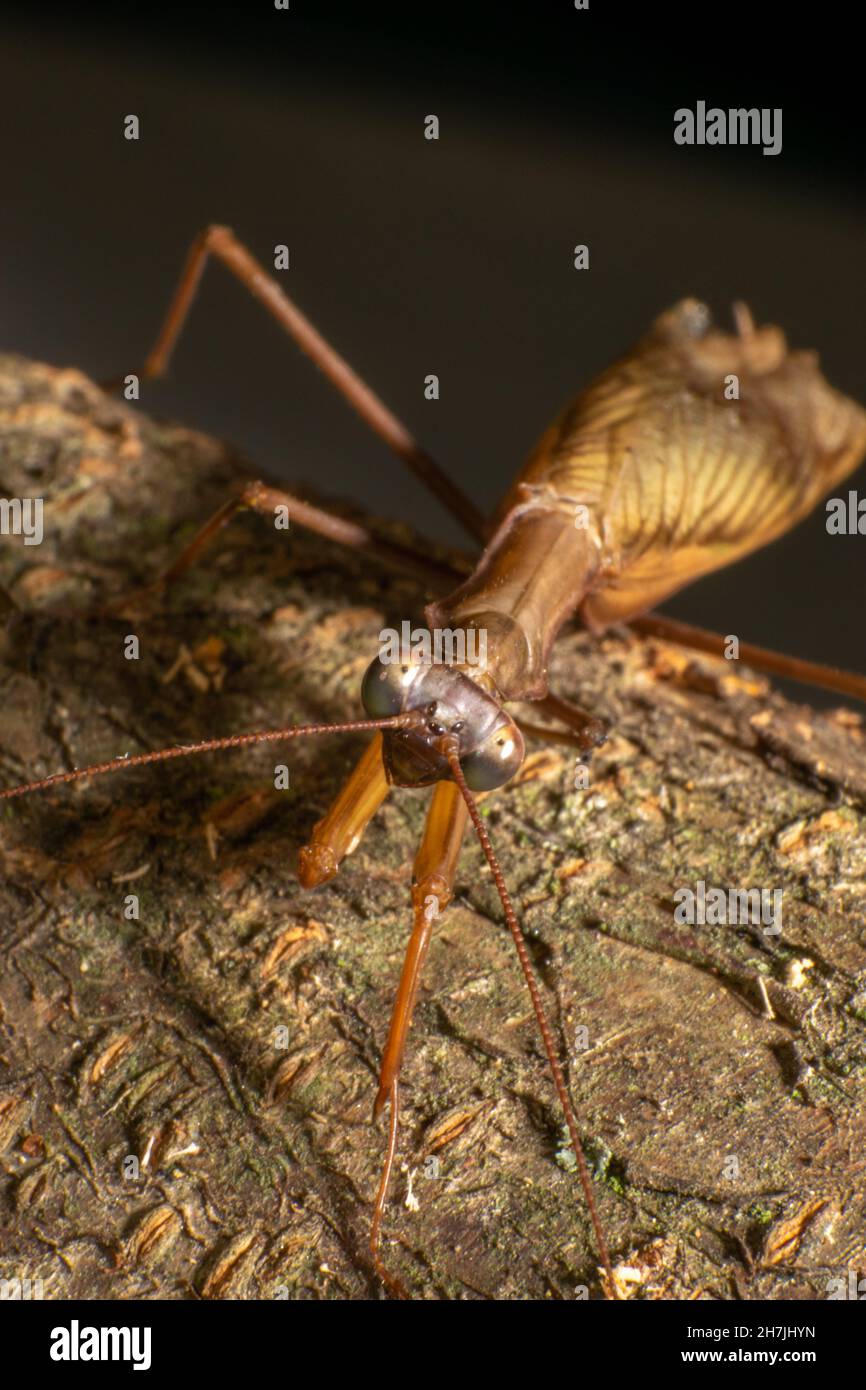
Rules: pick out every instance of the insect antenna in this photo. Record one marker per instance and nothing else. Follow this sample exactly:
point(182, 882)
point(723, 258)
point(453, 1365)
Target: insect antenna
point(210, 745)
point(544, 1028)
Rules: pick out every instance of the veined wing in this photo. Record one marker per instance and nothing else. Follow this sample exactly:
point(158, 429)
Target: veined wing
point(696, 448)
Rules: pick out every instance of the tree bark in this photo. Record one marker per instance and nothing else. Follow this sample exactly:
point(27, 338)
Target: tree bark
point(185, 1095)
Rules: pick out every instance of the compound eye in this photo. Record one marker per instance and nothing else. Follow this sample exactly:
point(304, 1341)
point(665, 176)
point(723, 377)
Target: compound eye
point(385, 688)
point(496, 760)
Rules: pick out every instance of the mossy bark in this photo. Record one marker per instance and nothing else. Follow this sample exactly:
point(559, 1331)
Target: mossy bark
point(185, 1095)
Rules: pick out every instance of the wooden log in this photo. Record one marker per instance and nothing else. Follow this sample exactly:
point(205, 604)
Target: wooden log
point(185, 1094)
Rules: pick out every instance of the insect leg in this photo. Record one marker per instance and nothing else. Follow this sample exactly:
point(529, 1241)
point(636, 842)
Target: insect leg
point(222, 243)
point(588, 731)
point(339, 832)
point(775, 663)
point(560, 736)
point(392, 1283)
point(432, 884)
point(260, 497)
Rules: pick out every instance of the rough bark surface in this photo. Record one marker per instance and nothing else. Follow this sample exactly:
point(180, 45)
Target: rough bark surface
point(185, 1098)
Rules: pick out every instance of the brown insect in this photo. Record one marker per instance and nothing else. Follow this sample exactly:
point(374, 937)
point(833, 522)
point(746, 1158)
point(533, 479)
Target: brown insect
point(655, 474)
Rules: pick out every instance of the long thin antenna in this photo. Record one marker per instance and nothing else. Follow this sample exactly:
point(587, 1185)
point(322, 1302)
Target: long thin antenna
point(211, 745)
point(450, 751)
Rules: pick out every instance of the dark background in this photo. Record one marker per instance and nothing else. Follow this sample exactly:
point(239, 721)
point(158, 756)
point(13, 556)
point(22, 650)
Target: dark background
point(454, 257)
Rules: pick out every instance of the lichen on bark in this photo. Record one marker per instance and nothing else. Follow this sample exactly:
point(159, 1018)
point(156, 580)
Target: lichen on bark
point(185, 1096)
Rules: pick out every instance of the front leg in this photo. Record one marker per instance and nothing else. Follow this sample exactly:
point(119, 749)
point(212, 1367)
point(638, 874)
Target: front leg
point(585, 731)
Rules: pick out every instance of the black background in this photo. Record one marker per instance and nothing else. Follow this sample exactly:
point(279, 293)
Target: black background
point(453, 257)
